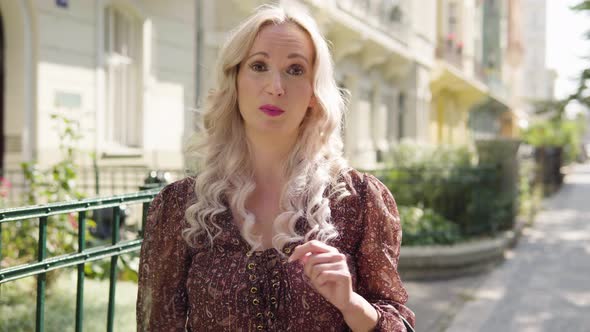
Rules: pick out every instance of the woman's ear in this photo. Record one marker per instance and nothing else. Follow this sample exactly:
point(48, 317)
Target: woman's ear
point(313, 102)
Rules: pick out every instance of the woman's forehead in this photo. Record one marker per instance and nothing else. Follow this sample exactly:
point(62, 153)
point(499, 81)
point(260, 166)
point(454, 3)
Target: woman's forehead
point(284, 37)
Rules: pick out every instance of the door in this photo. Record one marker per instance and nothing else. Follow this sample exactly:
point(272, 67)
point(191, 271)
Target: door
point(1, 96)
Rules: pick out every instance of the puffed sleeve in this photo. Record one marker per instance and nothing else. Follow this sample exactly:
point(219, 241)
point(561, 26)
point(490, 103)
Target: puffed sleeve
point(378, 280)
point(163, 268)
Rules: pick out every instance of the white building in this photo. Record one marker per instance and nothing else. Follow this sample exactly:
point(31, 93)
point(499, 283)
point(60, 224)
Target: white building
point(538, 81)
point(127, 69)
point(383, 52)
point(124, 68)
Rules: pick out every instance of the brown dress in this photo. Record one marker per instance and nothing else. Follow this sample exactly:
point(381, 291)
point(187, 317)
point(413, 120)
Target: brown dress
point(221, 288)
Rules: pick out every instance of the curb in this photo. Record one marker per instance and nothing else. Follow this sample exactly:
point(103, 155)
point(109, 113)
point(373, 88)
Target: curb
point(444, 262)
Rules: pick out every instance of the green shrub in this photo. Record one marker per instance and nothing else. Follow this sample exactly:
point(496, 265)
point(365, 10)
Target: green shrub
point(409, 154)
point(57, 184)
point(446, 181)
point(426, 227)
point(558, 133)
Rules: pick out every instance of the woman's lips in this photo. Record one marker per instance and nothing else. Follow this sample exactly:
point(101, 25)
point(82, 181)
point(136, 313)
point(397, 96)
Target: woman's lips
point(271, 110)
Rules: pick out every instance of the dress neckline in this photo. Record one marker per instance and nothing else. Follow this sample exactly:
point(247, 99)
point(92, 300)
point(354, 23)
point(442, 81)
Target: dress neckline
point(233, 231)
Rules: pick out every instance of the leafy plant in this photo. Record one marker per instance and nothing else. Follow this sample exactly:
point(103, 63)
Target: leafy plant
point(558, 132)
point(410, 154)
point(426, 227)
point(445, 182)
point(57, 184)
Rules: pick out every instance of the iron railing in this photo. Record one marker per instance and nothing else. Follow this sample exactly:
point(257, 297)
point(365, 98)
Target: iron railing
point(90, 182)
point(45, 264)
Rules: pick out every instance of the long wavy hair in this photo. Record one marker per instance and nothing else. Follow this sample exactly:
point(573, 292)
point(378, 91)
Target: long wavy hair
point(313, 168)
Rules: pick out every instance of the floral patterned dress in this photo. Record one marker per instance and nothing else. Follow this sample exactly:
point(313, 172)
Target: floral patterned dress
point(224, 288)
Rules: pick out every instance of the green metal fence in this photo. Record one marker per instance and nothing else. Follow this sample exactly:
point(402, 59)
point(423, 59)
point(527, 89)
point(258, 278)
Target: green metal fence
point(83, 255)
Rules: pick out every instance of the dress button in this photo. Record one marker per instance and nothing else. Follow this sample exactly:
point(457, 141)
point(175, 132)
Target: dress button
point(253, 290)
point(273, 300)
point(252, 277)
point(256, 302)
point(287, 250)
point(251, 266)
point(270, 314)
point(275, 285)
point(248, 254)
point(259, 327)
point(259, 315)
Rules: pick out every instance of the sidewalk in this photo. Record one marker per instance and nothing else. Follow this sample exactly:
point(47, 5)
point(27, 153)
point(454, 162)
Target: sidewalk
point(435, 303)
point(544, 285)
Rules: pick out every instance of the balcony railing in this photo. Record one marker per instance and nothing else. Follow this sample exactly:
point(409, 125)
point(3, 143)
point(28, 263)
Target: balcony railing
point(390, 17)
point(480, 72)
point(450, 52)
point(496, 86)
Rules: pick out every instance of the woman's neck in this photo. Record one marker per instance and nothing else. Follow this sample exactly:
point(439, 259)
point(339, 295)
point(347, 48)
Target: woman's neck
point(269, 157)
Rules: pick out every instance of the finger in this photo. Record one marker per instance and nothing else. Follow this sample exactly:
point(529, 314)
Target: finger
point(317, 269)
point(331, 276)
point(310, 261)
point(313, 246)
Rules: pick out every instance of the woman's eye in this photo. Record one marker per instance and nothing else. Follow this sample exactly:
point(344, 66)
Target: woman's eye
point(296, 70)
point(258, 66)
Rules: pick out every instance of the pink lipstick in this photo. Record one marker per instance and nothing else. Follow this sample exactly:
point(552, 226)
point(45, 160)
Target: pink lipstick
point(271, 110)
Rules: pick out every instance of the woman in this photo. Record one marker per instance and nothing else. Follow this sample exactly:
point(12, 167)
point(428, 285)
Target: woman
point(276, 233)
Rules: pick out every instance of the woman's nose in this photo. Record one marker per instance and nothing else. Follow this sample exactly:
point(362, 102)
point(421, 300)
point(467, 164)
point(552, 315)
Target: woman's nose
point(275, 87)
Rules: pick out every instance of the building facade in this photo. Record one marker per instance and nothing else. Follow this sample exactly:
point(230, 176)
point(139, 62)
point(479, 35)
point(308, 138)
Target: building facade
point(383, 53)
point(537, 82)
point(125, 69)
point(131, 72)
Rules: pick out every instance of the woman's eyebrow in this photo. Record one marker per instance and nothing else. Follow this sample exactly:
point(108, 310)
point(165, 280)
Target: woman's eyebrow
point(290, 56)
point(297, 55)
point(259, 53)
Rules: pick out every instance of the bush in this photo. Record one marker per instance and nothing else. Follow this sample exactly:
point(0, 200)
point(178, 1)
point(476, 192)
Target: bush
point(446, 182)
point(558, 133)
point(58, 184)
point(409, 154)
point(426, 227)
point(20, 239)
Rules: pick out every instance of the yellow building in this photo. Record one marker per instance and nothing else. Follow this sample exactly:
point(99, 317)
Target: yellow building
point(453, 96)
point(469, 97)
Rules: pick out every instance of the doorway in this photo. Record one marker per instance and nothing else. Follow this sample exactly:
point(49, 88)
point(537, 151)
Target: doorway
point(1, 96)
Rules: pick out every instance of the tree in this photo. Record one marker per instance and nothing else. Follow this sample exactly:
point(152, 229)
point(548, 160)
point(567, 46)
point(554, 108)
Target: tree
point(556, 108)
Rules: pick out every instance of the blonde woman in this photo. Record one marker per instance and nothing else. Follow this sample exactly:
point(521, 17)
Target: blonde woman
point(276, 232)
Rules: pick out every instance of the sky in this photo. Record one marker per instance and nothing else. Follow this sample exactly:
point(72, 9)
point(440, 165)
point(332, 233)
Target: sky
point(566, 44)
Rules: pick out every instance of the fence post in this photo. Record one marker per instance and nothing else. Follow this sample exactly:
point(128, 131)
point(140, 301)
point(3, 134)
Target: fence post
point(41, 278)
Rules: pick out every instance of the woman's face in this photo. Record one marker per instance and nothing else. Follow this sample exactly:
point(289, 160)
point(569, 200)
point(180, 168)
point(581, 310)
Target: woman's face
point(275, 81)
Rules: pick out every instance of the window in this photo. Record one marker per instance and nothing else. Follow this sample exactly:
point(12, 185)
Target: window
point(453, 20)
point(122, 49)
point(390, 11)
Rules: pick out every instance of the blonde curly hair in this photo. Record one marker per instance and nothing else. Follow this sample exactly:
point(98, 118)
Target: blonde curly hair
point(313, 168)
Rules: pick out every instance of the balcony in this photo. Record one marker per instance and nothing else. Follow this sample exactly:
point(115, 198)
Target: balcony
point(390, 17)
point(451, 52)
point(480, 71)
point(498, 89)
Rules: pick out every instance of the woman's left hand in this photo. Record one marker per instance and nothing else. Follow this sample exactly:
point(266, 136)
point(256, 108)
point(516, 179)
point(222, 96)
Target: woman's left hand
point(327, 271)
